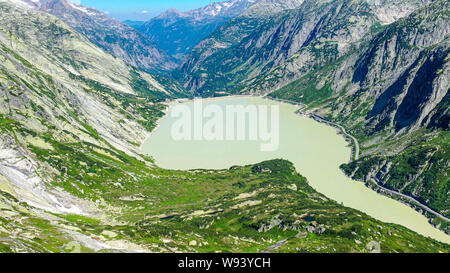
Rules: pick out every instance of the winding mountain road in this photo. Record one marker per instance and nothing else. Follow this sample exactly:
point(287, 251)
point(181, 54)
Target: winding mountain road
point(317, 117)
point(355, 141)
point(376, 181)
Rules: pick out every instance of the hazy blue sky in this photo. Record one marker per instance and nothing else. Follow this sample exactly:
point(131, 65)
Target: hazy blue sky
point(142, 9)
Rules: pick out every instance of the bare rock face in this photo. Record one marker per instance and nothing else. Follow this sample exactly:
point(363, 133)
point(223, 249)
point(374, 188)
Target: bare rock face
point(406, 70)
point(20, 174)
point(264, 51)
point(404, 73)
point(270, 7)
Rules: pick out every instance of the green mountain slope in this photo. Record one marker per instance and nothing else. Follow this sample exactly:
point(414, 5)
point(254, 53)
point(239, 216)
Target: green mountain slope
point(72, 177)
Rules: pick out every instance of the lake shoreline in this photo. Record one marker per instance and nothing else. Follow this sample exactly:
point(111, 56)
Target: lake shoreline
point(340, 130)
point(410, 201)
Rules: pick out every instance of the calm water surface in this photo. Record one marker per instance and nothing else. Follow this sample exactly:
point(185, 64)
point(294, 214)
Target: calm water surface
point(315, 149)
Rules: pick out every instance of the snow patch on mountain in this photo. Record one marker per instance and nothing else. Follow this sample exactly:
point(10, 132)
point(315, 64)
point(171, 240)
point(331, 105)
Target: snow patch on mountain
point(230, 9)
point(83, 9)
point(27, 4)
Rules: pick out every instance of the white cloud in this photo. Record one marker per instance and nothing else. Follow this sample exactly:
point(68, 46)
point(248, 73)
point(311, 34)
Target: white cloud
point(143, 12)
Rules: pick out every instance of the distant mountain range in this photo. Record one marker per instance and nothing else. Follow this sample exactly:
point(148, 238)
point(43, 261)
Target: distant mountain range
point(258, 41)
point(178, 32)
point(134, 24)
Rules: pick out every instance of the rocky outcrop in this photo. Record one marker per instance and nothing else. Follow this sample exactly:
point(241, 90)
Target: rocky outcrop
point(19, 176)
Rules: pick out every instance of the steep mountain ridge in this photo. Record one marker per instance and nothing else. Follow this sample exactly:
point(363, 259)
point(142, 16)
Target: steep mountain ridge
point(265, 8)
point(109, 34)
point(298, 40)
point(227, 9)
point(406, 72)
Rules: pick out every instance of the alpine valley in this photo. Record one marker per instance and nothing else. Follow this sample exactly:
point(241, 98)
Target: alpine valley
point(80, 92)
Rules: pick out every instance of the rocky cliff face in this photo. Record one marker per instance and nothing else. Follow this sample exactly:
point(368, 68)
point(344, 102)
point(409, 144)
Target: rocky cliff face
point(264, 51)
point(403, 78)
point(178, 32)
point(109, 34)
point(270, 7)
point(409, 61)
point(226, 9)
